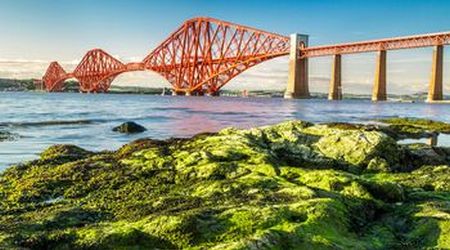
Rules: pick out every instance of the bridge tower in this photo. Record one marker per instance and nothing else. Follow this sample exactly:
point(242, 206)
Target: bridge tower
point(297, 86)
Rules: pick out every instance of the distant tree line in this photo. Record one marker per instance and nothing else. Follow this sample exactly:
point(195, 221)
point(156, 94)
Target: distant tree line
point(17, 84)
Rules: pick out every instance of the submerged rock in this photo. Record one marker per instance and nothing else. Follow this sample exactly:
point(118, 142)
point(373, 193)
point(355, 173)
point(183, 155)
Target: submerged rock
point(295, 185)
point(129, 128)
point(7, 136)
point(4, 136)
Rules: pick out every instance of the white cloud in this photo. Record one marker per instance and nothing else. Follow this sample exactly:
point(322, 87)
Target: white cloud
point(3, 60)
point(404, 75)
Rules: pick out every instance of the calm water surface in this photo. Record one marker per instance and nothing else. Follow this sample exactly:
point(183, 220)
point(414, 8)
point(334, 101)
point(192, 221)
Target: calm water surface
point(30, 115)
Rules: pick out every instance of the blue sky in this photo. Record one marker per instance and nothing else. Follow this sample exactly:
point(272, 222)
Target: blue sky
point(35, 32)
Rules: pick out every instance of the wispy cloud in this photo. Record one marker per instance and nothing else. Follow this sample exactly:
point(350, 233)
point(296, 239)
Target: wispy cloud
point(3, 60)
point(357, 74)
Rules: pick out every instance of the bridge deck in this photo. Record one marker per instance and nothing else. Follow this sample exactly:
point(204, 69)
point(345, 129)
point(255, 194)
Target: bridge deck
point(406, 42)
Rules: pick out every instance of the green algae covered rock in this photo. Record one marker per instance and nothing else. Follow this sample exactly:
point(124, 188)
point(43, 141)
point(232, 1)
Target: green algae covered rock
point(295, 185)
point(358, 147)
point(64, 153)
point(415, 127)
point(422, 154)
point(425, 124)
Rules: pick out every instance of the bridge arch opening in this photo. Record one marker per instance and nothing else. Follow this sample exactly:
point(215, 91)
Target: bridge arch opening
point(138, 81)
point(68, 84)
point(268, 75)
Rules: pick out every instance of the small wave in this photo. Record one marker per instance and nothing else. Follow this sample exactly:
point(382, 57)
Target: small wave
point(170, 109)
point(210, 112)
point(79, 122)
point(46, 123)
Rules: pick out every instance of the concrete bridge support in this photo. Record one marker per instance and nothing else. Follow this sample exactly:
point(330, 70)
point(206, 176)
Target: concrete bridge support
point(297, 86)
point(335, 92)
point(379, 87)
point(435, 92)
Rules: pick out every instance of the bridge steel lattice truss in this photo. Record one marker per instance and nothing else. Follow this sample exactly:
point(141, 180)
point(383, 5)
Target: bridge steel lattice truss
point(204, 54)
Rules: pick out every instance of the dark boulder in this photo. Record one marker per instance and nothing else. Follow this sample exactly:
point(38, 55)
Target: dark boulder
point(420, 154)
point(4, 136)
point(7, 136)
point(129, 128)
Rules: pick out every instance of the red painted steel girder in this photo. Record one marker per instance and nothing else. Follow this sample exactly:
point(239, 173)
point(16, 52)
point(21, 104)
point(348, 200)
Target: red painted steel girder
point(97, 70)
point(406, 42)
point(54, 77)
point(205, 53)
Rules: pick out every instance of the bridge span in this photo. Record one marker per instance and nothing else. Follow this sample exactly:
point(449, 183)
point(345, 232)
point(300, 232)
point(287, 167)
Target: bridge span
point(204, 54)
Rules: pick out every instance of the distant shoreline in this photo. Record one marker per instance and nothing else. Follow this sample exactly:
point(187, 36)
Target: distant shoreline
point(261, 94)
point(27, 85)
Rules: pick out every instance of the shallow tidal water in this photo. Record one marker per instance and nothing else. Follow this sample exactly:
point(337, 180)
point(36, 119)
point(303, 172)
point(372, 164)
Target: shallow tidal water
point(43, 119)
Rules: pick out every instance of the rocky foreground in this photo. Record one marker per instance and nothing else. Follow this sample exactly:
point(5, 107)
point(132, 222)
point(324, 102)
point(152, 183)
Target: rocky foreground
point(295, 185)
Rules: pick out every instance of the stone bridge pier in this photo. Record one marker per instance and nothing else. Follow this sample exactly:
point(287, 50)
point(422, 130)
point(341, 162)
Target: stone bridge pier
point(435, 92)
point(297, 86)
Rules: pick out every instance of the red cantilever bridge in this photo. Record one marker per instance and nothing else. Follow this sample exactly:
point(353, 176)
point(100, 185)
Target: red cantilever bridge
point(204, 54)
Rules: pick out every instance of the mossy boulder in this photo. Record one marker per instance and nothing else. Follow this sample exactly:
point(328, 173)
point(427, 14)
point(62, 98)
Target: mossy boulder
point(360, 148)
point(295, 185)
point(425, 124)
point(416, 128)
point(64, 153)
point(420, 154)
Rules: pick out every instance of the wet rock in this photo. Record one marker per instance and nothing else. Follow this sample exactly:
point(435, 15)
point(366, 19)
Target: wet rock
point(387, 191)
point(4, 136)
point(359, 148)
point(424, 124)
point(64, 153)
point(420, 154)
point(138, 145)
point(287, 186)
point(378, 164)
point(445, 151)
point(415, 128)
point(129, 128)
point(368, 127)
point(410, 132)
point(7, 136)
